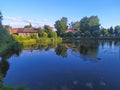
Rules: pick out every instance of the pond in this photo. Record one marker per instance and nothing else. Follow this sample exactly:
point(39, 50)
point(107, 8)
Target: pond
point(81, 65)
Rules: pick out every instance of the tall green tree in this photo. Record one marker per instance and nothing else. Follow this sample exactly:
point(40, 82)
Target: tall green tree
point(49, 31)
point(103, 31)
point(65, 20)
point(117, 30)
point(111, 30)
point(76, 25)
point(40, 32)
point(47, 28)
point(84, 24)
point(53, 34)
point(89, 24)
point(87, 34)
point(61, 27)
point(45, 35)
point(4, 35)
point(96, 33)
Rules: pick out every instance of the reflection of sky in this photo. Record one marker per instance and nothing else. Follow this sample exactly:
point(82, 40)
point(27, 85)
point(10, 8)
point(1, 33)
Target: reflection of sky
point(112, 51)
point(39, 70)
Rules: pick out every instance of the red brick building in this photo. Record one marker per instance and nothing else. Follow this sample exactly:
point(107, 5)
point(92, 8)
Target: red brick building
point(71, 30)
point(23, 31)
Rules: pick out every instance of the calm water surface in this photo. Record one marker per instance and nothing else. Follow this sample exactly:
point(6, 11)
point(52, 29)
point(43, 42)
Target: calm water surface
point(84, 65)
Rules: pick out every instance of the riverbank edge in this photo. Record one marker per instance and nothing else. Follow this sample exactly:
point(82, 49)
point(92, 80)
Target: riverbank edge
point(93, 38)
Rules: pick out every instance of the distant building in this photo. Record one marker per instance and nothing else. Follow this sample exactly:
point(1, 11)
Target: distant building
point(23, 31)
point(71, 30)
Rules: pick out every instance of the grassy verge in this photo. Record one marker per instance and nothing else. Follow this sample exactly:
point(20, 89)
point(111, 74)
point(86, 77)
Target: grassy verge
point(92, 38)
point(11, 88)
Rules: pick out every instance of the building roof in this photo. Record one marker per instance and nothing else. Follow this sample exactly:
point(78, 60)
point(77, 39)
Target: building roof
point(71, 30)
point(22, 30)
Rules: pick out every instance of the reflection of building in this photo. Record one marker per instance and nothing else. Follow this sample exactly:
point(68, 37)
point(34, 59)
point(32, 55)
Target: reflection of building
point(23, 31)
point(71, 30)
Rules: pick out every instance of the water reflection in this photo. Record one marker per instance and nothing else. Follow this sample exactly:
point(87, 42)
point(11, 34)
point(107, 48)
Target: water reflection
point(86, 49)
point(4, 67)
point(41, 71)
point(61, 50)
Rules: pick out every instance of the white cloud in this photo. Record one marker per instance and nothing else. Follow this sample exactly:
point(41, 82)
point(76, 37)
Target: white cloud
point(19, 21)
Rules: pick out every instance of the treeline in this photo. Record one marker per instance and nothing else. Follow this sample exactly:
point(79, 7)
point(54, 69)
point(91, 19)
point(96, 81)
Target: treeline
point(86, 27)
point(46, 31)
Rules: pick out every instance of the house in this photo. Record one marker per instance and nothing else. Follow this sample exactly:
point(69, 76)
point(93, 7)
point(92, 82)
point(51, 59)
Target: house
point(23, 31)
point(71, 30)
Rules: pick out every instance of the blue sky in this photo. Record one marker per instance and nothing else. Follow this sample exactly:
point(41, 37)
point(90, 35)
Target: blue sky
point(18, 13)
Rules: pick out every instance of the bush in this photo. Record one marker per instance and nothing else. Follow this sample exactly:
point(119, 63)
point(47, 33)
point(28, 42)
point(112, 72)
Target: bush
point(34, 36)
point(45, 35)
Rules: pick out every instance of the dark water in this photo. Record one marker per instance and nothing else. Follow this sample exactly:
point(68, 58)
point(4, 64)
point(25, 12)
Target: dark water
point(84, 65)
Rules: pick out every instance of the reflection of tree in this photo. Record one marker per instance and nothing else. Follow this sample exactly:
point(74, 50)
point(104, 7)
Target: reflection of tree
point(110, 43)
point(15, 49)
point(88, 47)
point(116, 42)
point(83, 49)
point(102, 42)
point(4, 66)
point(87, 50)
point(47, 46)
point(61, 50)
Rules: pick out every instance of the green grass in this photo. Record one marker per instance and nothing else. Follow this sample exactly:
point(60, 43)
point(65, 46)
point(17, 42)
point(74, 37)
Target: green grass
point(12, 88)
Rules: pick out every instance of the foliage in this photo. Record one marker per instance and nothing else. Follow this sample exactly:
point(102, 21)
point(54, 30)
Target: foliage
point(20, 38)
point(117, 30)
point(11, 88)
point(111, 30)
point(96, 33)
point(69, 34)
point(7, 26)
point(89, 24)
point(77, 34)
point(61, 26)
point(1, 18)
point(47, 29)
point(65, 20)
point(28, 26)
point(61, 50)
point(40, 40)
point(40, 32)
point(87, 34)
point(34, 36)
point(45, 35)
point(53, 34)
point(75, 25)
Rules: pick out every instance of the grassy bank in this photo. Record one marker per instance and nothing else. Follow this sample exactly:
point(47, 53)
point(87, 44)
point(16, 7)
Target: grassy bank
point(11, 88)
point(29, 40)
point(92, 38)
